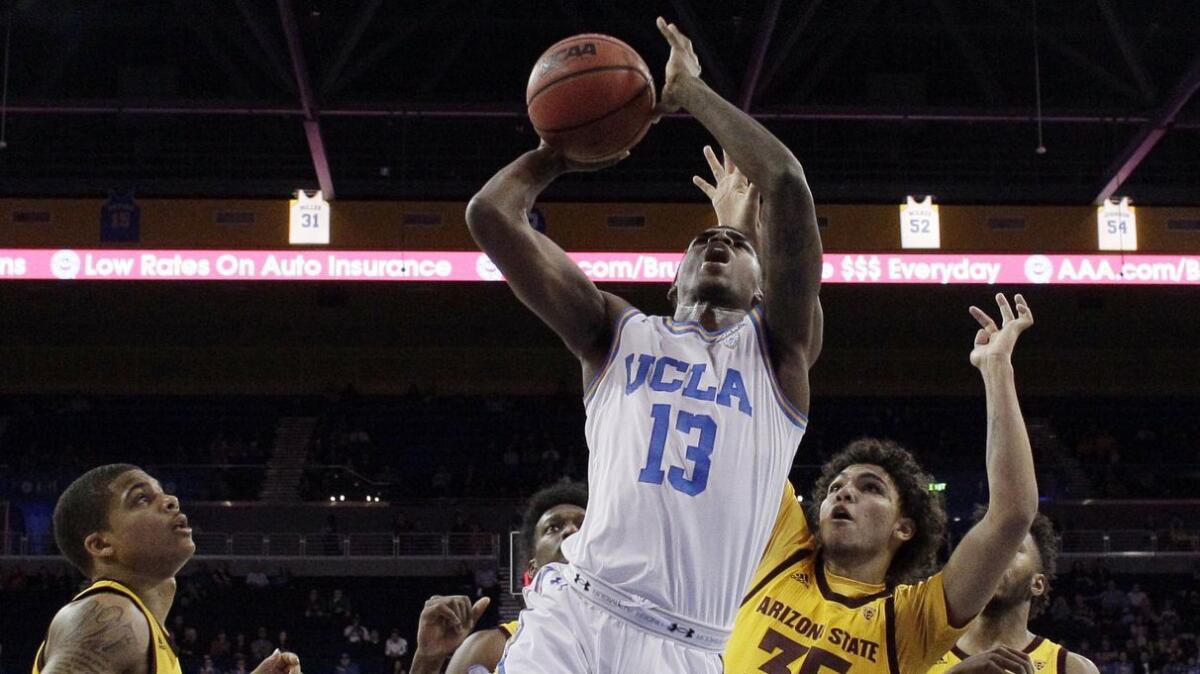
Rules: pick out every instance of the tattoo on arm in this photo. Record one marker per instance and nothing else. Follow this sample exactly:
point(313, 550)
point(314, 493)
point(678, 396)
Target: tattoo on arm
point(102, 639)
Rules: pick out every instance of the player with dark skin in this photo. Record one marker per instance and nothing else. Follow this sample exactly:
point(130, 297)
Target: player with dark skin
point(765, 249)
point(445, 625)
point(145, 542)
point(1000, 636)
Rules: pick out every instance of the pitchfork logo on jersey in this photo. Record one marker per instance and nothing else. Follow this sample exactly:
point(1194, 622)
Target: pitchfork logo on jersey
point(1039, 664)
point(869, 612)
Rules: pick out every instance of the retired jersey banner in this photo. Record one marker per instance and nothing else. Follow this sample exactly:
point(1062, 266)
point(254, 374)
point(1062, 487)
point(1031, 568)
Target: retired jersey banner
point(346, 265)
point(120, 220)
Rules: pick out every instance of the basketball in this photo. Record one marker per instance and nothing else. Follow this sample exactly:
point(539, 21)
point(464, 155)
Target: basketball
point(590, 96)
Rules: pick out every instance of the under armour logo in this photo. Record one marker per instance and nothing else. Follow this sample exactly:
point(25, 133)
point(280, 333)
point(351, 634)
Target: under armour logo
point(580, 581)
point(676, 628)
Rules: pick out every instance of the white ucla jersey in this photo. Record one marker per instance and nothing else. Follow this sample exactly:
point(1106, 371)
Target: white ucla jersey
point(691, 442)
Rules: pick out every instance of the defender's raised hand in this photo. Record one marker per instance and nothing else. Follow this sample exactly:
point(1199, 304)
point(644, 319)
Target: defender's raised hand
point(734, 198)
point(993, 342)
point(446, 621)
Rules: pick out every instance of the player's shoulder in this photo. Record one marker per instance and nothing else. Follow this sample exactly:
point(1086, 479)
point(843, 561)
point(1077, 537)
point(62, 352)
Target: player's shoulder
point(105, 631)
point(1078, 664)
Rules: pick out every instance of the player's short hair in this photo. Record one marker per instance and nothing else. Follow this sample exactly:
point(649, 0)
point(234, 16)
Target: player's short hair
point(82, 510)
point(915, 558)
point(1046, 542)
point(572, 493)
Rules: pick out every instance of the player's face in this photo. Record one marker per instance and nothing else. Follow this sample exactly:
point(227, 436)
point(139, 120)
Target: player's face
point(1022, 580)
point(861, 513)
point(146, 531)
point(720, 266)
point(555, 525)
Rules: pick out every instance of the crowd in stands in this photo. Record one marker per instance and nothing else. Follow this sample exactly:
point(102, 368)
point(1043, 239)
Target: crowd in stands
point(1144, 624)
point(45, 442)
point(422, 445)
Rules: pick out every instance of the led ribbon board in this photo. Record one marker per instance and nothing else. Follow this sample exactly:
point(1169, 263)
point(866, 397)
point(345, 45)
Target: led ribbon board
point(398, 266)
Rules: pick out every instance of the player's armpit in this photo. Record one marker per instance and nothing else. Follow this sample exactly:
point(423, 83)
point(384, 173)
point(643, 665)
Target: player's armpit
point(924, 630)
point(485, 648)
point(102, 634)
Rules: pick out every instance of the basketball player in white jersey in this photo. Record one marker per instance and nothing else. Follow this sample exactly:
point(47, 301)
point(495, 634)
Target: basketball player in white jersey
point(693, 419)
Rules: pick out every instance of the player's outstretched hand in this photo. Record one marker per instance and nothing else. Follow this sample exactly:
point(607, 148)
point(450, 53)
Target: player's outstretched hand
point(446, 622)
point(568, 165)
point(999, 660)
point(279, 662)
point(996, 343)
point(683, 68)
point(734, 197)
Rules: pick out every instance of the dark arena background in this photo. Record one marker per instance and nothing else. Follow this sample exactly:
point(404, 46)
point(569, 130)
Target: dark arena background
point(363, 412)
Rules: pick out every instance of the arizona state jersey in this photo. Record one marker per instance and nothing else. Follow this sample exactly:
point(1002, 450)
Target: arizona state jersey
point(160, 657)
point(509, 629)
point(798, 618)
point(1047, 656)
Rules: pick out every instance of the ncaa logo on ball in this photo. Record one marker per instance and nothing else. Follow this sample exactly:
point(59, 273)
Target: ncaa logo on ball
point(565, 54)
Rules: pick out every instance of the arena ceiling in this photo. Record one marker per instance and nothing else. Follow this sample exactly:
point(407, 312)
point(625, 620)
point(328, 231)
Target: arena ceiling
point(376, 99)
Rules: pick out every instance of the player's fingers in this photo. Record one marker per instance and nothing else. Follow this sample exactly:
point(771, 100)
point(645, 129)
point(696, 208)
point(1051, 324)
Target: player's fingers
point(714, 164)
point(1006, 312)
point(1023, 310)
point(676, 36)
point(462, 610)
point(982, 337)
point(1019, 659)
point(478, 609)
point(446, 615)
point(662, 28)
point(707, 189)
point(982, 318)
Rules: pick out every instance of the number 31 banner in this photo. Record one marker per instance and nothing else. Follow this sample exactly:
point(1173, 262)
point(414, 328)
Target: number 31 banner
point(308, 219)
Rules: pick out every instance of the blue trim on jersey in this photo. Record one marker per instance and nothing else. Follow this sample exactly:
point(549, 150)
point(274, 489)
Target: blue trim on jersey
point(613, 350)
point(508, 642)
point(695, 328)
point(789, 410)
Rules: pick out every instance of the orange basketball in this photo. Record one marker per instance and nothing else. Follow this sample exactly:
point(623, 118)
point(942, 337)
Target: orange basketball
point(590, 96)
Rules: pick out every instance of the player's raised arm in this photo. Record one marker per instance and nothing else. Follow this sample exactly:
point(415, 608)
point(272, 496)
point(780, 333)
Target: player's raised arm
point(979, 561)
point(539, 272)
point(102, 634)
point(789, 240)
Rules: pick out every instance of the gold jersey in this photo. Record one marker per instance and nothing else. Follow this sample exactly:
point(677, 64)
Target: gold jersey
point(509, 628)
point(160, 656)
point(1047, 656)
point(798, 618)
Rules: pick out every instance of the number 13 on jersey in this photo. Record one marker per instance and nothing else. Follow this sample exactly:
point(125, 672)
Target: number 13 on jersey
point(698, 426)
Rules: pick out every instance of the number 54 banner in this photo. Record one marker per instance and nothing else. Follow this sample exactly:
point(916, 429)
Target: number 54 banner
point(308, 219)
